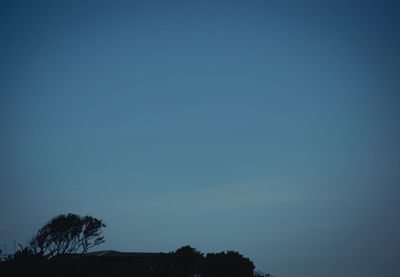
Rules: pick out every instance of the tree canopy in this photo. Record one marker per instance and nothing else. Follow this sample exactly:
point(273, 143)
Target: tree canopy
point(188, 261)
point(74, 234)
point(67, 234)
point(230, 263)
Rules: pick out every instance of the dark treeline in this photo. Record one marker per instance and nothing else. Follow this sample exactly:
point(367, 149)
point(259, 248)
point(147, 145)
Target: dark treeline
point(184, 262)
point(60, 247)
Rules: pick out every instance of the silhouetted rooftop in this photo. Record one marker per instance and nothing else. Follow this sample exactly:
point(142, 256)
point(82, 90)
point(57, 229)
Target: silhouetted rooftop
point(111, 253)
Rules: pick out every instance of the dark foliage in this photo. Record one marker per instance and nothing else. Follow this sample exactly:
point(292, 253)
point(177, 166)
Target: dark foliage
point(184, 262)
point(67, 234)
point(229, 264)
point(60, 248)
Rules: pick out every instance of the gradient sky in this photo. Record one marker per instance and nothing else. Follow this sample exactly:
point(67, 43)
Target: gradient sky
point(267, 127)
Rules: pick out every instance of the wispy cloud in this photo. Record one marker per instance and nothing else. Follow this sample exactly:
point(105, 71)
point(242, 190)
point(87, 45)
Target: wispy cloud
point(229, 196)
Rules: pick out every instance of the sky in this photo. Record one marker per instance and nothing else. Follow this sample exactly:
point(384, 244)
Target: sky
point(268, 127)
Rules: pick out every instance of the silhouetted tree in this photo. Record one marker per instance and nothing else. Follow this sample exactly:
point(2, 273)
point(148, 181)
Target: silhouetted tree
point(229, 264)
point(26, 256)
point(188, 262)
point(67, 234)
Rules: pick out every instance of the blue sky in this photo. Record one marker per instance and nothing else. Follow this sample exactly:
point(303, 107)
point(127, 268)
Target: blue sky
point(266, 127)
